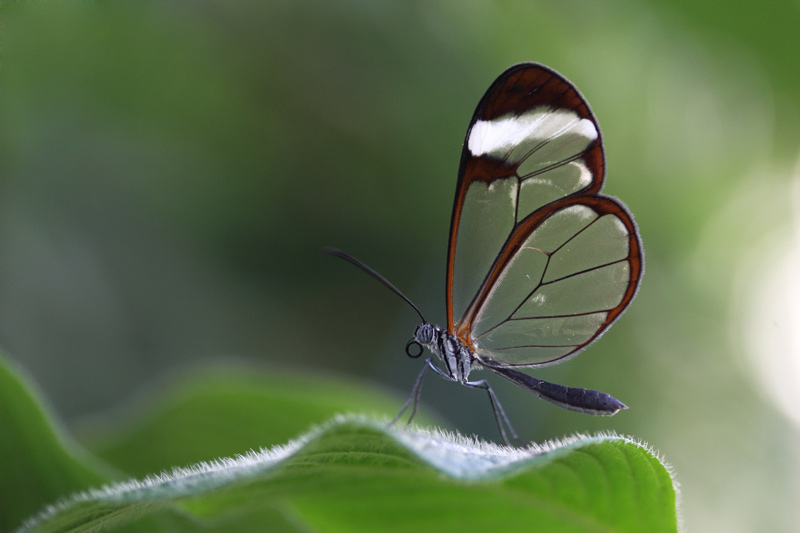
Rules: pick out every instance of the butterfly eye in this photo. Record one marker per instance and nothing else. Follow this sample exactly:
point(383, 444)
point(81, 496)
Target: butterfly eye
point(424, 333)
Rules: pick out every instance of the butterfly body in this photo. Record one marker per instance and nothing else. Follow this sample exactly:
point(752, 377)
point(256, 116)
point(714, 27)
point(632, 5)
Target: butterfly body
point(459, 360)
point(539, 262)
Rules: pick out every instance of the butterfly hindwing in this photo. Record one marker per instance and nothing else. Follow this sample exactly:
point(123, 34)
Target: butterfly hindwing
point(567, 273)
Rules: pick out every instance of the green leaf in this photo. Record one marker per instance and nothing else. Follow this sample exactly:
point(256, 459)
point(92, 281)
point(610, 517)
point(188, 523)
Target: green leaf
point(352, 473)
point(220, 411)
point(357, 474)
point(38, 465)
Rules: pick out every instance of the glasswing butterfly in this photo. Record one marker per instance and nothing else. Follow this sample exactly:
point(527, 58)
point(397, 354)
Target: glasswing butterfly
point(539, 263)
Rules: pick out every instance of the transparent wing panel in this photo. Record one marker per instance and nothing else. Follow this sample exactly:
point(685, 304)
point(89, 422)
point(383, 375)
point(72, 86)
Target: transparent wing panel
point(604, 241)
point(521, 277)
point(545, 187)
point(524, 356)
point(560, 227)
point(602, 288)
point(485, 225)
point(509, 339)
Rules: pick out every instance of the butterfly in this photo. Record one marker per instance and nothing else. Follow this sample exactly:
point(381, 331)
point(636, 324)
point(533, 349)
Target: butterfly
point(539, 263)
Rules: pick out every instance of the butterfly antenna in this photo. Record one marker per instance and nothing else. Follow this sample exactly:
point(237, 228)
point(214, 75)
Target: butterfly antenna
point(368, 270)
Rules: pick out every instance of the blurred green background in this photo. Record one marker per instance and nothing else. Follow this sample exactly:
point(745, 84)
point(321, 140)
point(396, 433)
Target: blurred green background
point(169, 172)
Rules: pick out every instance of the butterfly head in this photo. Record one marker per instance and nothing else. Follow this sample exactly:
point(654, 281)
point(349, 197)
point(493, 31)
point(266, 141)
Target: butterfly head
point(423, 336)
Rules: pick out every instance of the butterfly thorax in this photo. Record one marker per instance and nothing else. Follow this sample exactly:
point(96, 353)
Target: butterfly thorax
point(457, 357)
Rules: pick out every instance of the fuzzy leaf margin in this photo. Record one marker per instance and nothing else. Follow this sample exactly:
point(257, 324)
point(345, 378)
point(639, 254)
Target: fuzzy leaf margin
point(356, 474)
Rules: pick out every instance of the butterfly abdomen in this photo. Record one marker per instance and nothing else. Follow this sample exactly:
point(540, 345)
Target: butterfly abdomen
point(581, 400)
point(571, 398)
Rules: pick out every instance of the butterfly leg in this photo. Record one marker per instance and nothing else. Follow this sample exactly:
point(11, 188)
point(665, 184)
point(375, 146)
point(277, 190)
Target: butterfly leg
point(499, 413)
point(415, 394)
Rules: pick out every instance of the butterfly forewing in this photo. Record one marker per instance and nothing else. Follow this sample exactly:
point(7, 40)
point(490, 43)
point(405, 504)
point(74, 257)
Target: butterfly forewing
point(539, 263)
point(532, 140)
